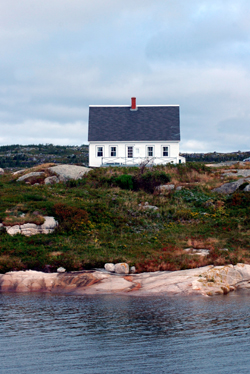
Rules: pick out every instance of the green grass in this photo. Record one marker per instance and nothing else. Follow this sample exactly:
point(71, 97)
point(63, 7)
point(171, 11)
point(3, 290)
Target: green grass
point(100, 221)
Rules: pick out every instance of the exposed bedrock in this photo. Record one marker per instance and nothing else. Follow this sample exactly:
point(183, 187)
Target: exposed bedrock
point(29, 229)
point(207, 281)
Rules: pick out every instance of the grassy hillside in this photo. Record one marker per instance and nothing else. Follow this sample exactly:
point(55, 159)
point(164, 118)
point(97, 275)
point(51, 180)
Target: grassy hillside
point(100, 220)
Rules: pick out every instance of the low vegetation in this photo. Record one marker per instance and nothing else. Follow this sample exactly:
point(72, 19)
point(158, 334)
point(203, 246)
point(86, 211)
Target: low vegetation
point(100, 220)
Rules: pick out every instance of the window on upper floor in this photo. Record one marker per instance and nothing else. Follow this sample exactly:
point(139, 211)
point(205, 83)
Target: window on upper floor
point(113, 151)
point(99, 151)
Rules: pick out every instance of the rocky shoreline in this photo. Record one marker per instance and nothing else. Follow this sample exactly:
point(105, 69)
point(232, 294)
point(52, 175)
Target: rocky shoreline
point(206, 281)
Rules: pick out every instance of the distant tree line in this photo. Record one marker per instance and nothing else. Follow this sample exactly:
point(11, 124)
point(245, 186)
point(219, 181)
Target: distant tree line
point(23, 156)
point(16, 155)
point(216, 157)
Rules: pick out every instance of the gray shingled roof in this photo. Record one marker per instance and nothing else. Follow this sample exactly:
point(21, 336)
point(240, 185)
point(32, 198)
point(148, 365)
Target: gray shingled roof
point(147, 123)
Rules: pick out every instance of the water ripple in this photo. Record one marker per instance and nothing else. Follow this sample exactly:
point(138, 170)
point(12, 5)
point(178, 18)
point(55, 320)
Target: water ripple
point(42, 333)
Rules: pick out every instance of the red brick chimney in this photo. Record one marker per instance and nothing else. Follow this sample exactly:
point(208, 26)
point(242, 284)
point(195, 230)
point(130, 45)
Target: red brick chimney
point(133, 103)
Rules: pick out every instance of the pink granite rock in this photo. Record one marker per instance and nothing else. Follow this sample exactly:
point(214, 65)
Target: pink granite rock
point(207, 281)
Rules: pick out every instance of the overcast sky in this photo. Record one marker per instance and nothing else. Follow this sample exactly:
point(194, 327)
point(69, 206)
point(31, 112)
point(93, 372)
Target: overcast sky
point(57, 57)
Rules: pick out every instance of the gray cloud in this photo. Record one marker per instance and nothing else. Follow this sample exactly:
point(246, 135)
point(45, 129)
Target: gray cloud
point(58, 57)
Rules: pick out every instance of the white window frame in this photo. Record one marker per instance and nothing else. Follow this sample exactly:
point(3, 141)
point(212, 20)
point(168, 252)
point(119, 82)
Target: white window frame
point(110, 150)
point(97, 151)
point(147, 150)
point(162, 150)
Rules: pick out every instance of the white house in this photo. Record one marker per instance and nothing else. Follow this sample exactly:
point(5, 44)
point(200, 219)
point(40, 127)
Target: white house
point(130, 135)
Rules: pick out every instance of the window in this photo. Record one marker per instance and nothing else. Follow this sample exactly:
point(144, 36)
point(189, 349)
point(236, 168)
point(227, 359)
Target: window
point(130, 152)
point(99, 151)
point(165, 151)
point(113, 151)
point(150, 151)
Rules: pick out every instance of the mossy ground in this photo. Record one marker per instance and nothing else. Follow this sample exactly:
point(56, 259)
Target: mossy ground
point(101, 222)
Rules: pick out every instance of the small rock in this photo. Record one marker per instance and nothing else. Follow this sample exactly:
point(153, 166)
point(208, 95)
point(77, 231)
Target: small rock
point(29, 229)
point(122, 268)
point(179, 188)
point(209, 203)
point(147, 206)
point(61, 270)
point(132, 270)
point(247, 188)
point(165, 187)
point(109, 267)
point(1, 171)
point(224, 249)
point(13, 230)
point(51, 180)
point(49, 225)
point(199, 252)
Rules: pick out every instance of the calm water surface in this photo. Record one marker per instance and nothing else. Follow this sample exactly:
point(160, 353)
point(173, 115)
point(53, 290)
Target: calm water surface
point(42, 333)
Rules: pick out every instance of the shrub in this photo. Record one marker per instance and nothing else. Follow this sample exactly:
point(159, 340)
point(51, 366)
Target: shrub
point(200, 167)
point(75, 182)
point(70, 218)
point(70, 261)
point(150, 179)
point(239, 199)
point(124, 181)
point(196, 197)
point(99, 213)
point(8, 263)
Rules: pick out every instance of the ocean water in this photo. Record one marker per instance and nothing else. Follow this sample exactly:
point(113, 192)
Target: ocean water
point(42, 333)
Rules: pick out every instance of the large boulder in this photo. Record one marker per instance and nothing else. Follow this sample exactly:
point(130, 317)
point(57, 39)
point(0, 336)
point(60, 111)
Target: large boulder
point(29, 229)
point(237, 173)
point(66, 172)
point(229, 188)
point(30, 175)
